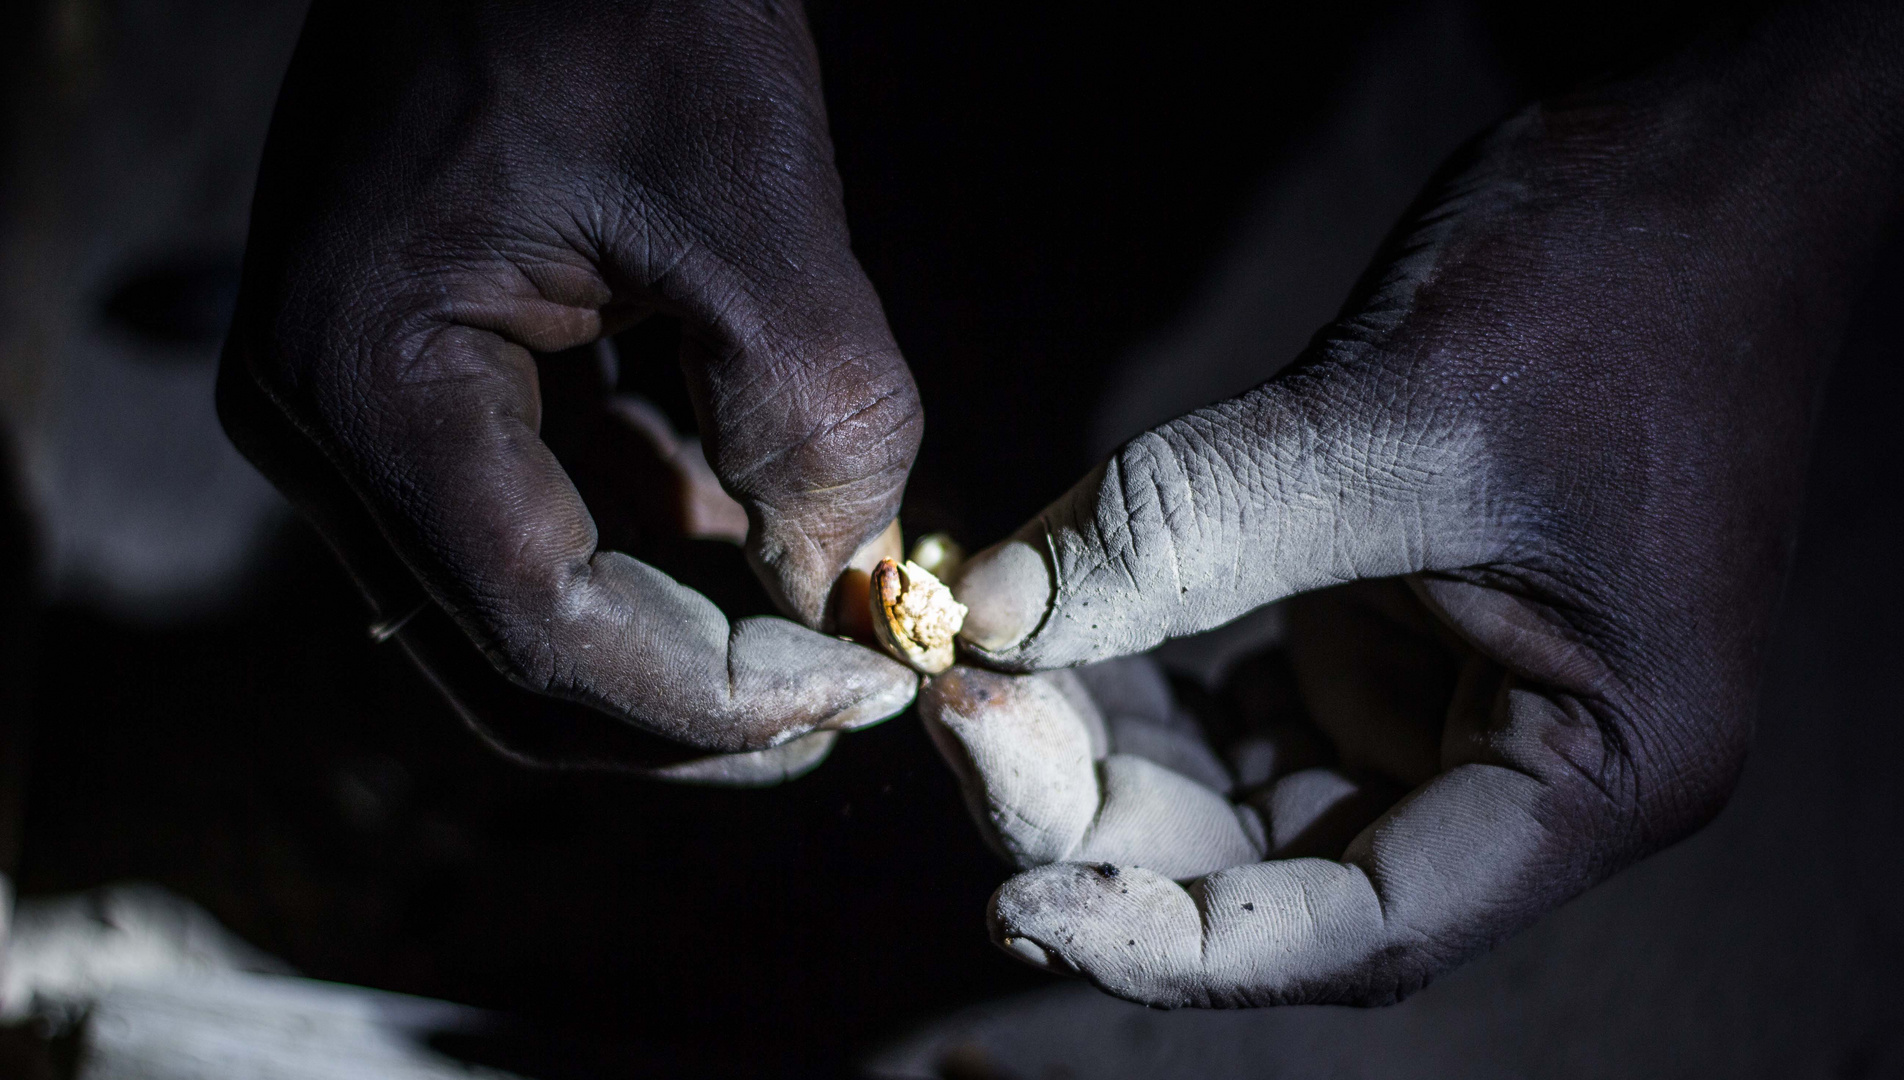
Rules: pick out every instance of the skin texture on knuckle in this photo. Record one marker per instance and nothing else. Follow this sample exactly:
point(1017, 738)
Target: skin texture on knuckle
point(852, 425)
point(827, 476)
point(1297, 485)
point(811, 419)
point(1123, 579)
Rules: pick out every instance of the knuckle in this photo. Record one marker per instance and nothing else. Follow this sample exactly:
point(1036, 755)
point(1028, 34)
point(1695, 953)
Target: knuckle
point(851, 428)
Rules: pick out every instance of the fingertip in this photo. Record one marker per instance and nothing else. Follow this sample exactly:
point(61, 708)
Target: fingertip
point(1007, 590)
point(964, 691)
point(1011, 940)
point(883, 704)
point(1029, 952)
point(1023, 755)
point(756, 768)
point(1132, 932)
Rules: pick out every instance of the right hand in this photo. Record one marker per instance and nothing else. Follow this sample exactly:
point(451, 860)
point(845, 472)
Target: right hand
point(1537, 488)
point(450, 194)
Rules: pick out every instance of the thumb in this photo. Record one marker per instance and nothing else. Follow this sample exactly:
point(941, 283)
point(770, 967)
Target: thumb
point(1332, 473)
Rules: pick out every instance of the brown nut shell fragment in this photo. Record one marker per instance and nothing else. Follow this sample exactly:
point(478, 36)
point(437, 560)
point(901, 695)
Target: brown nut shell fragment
point(914, 615)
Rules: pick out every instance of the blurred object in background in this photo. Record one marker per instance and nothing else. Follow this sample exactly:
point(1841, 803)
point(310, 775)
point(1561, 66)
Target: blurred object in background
point(132, 982)
point(16, 668)
point(134, 134)
point(66, 951)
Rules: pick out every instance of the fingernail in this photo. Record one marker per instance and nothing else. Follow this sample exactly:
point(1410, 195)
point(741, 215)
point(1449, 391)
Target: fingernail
point(1006, 590)
point(1036, 955)
point(848, 613)
point(757, 768)
point(1029, 951)
point(871, 710)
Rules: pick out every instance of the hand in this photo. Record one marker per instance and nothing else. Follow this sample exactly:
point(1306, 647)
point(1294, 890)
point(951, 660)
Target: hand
point(1546, 468)
point(455, 195)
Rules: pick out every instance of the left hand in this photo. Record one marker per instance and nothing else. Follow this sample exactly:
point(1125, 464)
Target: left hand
point(457, 202)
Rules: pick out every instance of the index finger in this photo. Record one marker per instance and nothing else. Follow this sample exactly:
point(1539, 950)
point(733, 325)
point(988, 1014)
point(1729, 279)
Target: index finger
point(437, 440)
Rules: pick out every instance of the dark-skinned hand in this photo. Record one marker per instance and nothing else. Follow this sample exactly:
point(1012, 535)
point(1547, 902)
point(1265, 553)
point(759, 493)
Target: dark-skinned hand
point(458, 198)
point(1536, 487)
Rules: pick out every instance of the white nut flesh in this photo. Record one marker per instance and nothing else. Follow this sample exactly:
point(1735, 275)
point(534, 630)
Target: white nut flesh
point(914, 615)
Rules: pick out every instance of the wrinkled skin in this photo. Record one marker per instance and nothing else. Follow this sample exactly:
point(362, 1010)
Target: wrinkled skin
point(1545, 470)
point(454, 194)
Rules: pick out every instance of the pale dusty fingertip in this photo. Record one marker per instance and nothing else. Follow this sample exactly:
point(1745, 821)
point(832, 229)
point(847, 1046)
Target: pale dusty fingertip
point(1007, 591)
point(1007, 938)
point(883, 705)
point(755, 768)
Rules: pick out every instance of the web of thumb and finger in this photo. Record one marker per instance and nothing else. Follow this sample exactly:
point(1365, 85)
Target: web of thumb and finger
point(1362, 460)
